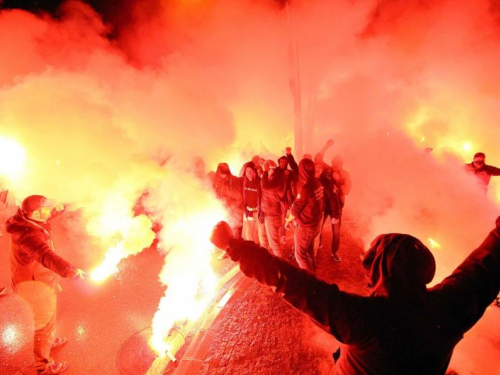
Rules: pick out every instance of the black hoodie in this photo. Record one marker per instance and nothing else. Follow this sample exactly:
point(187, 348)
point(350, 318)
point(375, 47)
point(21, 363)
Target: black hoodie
point(309, 205)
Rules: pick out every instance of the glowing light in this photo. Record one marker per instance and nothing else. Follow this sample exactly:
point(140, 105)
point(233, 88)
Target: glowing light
point(467, 146)
point(434, 244)
point(109, 265)
point(422, 139)
point(9, 335)
point(188, 274)
point(81, 333)
point(129, 235)
point(12, 158)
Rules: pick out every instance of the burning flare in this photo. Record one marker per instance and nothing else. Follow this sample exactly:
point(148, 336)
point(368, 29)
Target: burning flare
point(12, 158)
point(129, 234)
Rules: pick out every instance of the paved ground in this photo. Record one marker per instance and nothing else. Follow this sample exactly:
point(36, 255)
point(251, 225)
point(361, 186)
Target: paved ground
point(258, 333)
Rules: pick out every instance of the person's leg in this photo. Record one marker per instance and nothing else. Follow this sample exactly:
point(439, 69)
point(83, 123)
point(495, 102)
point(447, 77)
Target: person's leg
point(255, 228)
point(273, 224)
point(282, 230)
point(42, 300)
point(261, 227)
point(304, 248)
point(42, 344)
point(336, 240)
point(248, 224)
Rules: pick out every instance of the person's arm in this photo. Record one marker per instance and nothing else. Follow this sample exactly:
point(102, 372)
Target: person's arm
point(476, 282)
point(347, 184)
point(493, 171)
point(291, 161)
point(43, 254)
point(321, 153)
point(300, 288)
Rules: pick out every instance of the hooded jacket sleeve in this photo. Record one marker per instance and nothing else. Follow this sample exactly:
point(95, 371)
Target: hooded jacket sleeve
point(36, 248)
point(293, 164)
point(324, 303)
point(493, 171)
point(476, 282)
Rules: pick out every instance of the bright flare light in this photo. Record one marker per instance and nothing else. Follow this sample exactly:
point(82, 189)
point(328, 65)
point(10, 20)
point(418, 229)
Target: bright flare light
point(12, 158)
point(187, 272)
point(434, 244)
point(129, 235)
point(9, 335)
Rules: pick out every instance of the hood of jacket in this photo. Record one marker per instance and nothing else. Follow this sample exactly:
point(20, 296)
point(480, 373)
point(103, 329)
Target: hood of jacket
point(306, 171)
point(399, 266)
point(224, 169)
point(18, 223)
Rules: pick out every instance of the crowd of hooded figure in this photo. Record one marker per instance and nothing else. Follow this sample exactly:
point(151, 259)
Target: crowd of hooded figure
point(403, 326)
point(269, 197)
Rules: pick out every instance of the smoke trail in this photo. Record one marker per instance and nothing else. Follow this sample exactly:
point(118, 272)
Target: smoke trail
point(99, 106)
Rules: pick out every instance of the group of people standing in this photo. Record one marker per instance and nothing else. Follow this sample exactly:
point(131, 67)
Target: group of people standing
point(269, 197)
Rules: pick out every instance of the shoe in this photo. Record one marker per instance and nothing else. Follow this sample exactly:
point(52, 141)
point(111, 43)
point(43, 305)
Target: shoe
point(336, 258)
point(54, 368)
point(58, 342)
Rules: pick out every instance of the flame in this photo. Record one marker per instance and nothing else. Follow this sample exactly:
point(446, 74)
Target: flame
point(129, 234)
point(12, 158)
point(423, 118)
point(434, 244)
point(191, 282)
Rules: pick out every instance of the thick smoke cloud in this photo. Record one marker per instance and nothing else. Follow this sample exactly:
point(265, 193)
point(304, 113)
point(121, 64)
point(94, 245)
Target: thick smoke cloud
point(101, 105)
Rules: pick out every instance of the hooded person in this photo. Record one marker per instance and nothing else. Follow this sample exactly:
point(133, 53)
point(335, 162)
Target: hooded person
point(307, 212)
point(481, 170)
point(228, 189)
point(253, 220)
point(35, 272)
point(273, 187)
point(402, 327)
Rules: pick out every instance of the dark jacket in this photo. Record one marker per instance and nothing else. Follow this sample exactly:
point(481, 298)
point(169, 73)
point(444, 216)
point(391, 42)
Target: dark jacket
point(291, 179)
point(229, 190)
point(252, 192)
point(403, 328)
point(32, 255)
point(273, 192)
point(484, 173)
point(331, 196)
point(309, 205)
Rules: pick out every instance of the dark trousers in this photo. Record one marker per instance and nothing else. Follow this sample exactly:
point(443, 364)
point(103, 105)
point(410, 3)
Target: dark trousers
point(304, 247)
point(335, 235)
point(273, 225)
